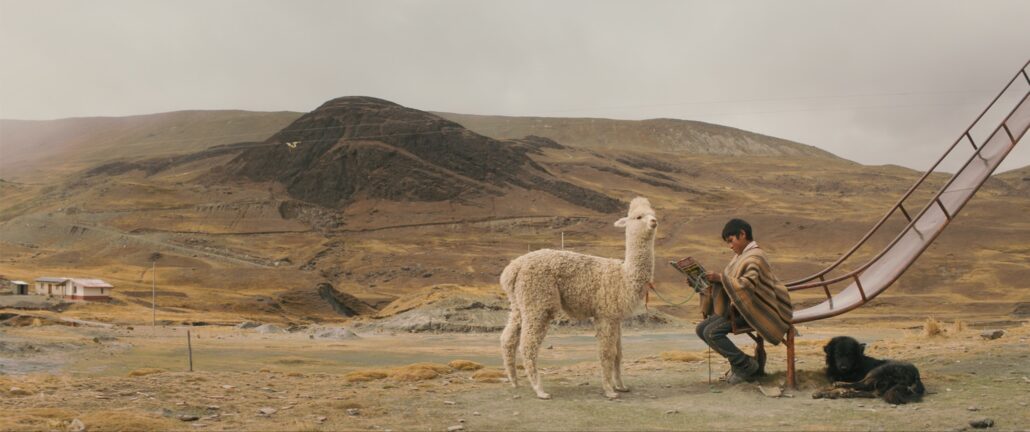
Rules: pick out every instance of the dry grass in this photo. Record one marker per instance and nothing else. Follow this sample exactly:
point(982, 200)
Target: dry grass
point(33, 419)
point(681, 356)
point(932, 327)
point(465, 365)
point(367, 375)
point(126, 421)
point(146, 371)
point(419, 372)
point(489, 375)
point(958, 326)
point(811, 342)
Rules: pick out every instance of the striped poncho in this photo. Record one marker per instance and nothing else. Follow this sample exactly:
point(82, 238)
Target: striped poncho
point(753, 291)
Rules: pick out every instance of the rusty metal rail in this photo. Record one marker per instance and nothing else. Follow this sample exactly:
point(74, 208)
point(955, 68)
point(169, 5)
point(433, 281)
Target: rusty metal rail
point(876, 275)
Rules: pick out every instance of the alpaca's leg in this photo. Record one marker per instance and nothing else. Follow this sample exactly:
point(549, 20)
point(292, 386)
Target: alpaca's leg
point(510, 344)
point(617, 371)
point(606, 347)
point(534, 328)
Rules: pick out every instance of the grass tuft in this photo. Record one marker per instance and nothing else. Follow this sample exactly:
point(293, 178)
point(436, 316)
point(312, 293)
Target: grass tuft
point(681, 356)
point(465, 365)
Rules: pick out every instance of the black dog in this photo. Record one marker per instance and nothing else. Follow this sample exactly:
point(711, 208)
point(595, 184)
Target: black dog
point(855, 374)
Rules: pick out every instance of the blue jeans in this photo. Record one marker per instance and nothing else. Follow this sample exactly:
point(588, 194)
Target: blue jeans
point(713, 331)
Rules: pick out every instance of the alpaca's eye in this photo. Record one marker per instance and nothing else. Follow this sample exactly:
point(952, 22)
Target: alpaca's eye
point(638, 217)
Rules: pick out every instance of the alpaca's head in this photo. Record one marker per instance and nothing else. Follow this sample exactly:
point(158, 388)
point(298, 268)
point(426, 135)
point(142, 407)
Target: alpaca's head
point(641, 220)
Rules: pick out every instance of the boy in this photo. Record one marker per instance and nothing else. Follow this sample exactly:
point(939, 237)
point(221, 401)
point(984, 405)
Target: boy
point(747, 294)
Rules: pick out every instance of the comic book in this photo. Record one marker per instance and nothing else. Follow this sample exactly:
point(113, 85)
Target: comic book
point(694, 272)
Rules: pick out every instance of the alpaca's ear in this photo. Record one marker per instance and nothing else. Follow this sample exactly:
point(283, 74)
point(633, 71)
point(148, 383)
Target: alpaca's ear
point(621, 222)
point(861, 348)
point(826, 349)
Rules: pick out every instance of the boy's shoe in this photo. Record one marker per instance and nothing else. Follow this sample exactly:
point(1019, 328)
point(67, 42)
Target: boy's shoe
point(748, 374)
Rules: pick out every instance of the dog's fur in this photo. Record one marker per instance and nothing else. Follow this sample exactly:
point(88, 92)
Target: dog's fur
point(846, 360)
point(855, 374)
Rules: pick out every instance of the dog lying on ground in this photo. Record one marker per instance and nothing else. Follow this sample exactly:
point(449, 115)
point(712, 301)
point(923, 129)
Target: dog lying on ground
point(855, 375)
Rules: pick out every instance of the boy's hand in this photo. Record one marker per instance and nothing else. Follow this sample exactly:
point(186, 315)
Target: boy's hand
point(714, 277)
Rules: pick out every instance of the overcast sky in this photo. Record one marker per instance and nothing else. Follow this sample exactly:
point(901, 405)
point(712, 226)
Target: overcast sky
point(872, 81)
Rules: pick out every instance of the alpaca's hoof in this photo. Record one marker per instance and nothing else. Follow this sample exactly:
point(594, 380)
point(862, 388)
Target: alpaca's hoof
point(611, 395)
point(622, 388)
point(543, 395)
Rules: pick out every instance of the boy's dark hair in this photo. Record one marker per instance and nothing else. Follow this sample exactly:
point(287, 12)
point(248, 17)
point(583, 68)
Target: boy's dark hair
point(734, 226)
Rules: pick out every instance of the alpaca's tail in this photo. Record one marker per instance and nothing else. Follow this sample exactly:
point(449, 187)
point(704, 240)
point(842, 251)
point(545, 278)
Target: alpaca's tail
point(510, 335)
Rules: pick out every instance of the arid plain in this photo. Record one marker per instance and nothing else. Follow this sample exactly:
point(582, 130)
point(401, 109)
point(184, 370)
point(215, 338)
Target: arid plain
point(411, 254)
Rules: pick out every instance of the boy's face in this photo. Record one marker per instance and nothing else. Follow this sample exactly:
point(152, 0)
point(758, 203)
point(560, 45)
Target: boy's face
point(738, 242)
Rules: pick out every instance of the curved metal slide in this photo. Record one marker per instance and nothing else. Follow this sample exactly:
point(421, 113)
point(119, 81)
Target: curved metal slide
point(876, 275)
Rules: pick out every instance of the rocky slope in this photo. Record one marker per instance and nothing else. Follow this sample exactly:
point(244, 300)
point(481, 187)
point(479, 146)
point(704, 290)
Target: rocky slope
point(654, 134)
point(356, 148)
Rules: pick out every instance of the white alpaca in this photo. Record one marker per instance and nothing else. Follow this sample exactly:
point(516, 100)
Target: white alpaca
point(541, 283)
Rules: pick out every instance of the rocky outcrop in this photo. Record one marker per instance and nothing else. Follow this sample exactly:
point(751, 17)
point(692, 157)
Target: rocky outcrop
point(354, 148)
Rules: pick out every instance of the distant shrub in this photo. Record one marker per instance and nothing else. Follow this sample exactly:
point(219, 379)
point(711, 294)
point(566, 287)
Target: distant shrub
point(932, 328)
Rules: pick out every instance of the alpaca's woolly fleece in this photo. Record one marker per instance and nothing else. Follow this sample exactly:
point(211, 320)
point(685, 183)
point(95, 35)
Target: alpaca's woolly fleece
point(543, 282)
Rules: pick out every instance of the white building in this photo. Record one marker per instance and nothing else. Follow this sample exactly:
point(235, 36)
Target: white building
point(74, 288)
point(20, 287)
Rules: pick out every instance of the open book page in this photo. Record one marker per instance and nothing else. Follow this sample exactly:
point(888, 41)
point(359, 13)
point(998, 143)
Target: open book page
point(694, 272)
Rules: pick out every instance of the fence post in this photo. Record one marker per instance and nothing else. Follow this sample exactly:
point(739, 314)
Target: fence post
point(189, 348)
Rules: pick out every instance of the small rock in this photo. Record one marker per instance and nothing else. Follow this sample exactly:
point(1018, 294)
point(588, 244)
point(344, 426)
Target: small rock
point(455, 428)
point(673, 411)
point(992, 334)
point(77, 426)
point(461, 420)
point(447, 402)
point(515, 413)
point(973, 408)
point(475, 413)
point(213, 407)
point(353, 412)
point(267, 411)
point(982, 423)
point(321, 419)
point(517, 397)
point(550, 347)
point(188, 417)
point(18, 391)
point(771, 391)
point(228, 387)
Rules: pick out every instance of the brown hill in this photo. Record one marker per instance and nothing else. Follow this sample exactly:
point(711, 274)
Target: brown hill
point(35, 150)
point(1018, 179)
point(648, 135)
